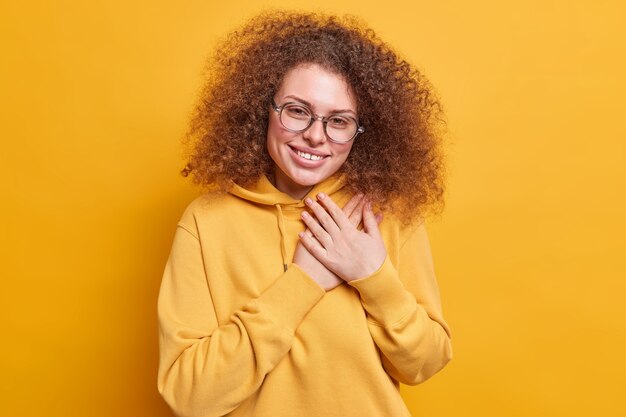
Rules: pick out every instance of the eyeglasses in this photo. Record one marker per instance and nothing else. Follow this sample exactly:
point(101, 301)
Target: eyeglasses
point(296, 117)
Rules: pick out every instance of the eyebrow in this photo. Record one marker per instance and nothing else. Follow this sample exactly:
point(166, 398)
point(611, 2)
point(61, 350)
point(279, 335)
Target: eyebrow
point(306, 103)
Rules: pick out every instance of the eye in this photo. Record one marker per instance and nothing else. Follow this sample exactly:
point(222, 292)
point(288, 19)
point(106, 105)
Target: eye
point(297, 112)
point(339, 122)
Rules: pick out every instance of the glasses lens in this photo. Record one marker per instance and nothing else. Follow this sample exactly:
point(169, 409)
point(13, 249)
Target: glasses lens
point(295, 117)
point(341, 128)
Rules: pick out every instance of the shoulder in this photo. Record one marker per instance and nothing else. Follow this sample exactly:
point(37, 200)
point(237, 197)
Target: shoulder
point(401, 231)
point(213, 205)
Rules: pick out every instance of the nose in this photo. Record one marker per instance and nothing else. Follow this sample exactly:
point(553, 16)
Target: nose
point(315, 133)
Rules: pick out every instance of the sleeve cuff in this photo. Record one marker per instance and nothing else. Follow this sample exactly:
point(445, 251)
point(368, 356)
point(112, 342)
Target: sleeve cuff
point(383, 296)
point(291, 297)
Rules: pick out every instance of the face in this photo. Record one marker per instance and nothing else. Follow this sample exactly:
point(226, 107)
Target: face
point(305, 159)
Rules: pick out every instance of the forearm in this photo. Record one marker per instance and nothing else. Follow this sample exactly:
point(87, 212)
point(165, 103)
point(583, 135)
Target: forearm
point(208, 367)
point(406, 322)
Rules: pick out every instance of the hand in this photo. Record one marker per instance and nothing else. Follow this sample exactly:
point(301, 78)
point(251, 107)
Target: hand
point(309, 264)
point(337, 243)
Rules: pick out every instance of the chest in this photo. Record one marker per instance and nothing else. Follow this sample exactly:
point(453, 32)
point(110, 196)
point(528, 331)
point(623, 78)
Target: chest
point(241, 262)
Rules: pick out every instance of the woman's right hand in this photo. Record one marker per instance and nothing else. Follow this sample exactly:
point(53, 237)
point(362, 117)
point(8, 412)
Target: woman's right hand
point(314, 268)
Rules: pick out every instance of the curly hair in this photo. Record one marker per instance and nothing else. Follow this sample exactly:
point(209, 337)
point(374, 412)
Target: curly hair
point(398, 161)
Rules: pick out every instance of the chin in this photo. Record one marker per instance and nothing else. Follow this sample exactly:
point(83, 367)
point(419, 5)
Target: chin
point(308, 179)
point(305, 182)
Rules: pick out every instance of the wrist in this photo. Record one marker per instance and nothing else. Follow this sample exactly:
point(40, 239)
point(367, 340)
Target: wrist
point(366, 269)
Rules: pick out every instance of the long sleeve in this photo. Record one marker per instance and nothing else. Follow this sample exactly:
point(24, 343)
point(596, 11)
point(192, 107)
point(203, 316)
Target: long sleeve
point(207, 368)
point(404, 313)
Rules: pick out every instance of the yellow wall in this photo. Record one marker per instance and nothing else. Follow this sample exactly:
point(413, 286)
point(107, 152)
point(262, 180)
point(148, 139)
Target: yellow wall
point(530, 252)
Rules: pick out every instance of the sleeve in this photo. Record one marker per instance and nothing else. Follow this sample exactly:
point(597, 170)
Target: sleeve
point(404, 313)
point(206, 369)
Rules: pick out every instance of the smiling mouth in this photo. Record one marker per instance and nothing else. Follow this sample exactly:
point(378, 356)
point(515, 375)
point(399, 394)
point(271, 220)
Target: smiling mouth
point(306, 155)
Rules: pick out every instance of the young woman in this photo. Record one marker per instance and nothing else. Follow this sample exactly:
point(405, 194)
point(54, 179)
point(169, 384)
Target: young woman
point(285, 294)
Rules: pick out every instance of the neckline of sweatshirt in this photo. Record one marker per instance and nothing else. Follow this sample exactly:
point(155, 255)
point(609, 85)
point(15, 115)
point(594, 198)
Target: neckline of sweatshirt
point(263, 192)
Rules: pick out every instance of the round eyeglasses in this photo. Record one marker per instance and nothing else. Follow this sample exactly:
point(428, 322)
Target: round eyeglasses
point(296, 117)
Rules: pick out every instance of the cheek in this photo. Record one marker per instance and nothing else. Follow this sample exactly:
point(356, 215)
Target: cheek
point(275, 133)
point(343, 152)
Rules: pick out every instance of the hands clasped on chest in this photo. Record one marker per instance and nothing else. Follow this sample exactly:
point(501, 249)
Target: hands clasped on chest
point(333, 249)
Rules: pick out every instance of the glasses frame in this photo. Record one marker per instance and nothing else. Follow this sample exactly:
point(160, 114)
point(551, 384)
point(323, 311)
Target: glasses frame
point(324, 119)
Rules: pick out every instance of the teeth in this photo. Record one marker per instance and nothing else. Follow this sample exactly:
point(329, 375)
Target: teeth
point(309, 156)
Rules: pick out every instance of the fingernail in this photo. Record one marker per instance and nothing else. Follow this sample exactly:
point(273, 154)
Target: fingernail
point(321, 196)
point(301, 234)
point(308, 201)
point(305, 215)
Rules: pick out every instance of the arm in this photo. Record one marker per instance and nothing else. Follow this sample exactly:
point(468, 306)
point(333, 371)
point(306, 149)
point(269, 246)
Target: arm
point(207, 368)
point(404, 313)
point(403, 304)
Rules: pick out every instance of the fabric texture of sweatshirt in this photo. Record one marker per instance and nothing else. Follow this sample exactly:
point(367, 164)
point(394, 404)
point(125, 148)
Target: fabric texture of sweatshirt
point(245, 332)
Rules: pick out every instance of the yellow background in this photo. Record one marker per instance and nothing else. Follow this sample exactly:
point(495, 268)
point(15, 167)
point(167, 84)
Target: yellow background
point(530, 251)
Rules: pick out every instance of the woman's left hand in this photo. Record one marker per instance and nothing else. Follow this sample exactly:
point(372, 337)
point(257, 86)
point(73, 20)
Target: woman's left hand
point(338, 244)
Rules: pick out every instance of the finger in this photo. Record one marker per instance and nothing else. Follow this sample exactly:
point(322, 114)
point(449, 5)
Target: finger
point(310, 234)
point(379, 218)
point(341, 220)
point(352, 205)
point(357, 215)
point(313, 246)
point(370, 224)
point(317, 231)
point(323, 217)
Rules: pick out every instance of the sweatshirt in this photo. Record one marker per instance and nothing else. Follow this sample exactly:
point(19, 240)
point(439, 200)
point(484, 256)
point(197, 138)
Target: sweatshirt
point(245, 332)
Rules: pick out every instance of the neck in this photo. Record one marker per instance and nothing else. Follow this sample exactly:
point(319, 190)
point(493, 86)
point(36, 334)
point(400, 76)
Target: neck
point(290, 188)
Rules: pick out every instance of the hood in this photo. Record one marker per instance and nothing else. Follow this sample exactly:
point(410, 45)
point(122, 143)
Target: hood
point(264, 192)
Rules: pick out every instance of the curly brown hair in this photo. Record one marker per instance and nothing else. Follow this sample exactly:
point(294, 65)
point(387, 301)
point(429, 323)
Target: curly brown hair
point(398, 161)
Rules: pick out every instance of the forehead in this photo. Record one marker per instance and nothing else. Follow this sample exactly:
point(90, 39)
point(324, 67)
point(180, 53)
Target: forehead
point(324, 89)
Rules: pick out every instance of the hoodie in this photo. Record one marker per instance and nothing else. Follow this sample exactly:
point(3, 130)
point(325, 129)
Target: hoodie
point(245, 332)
